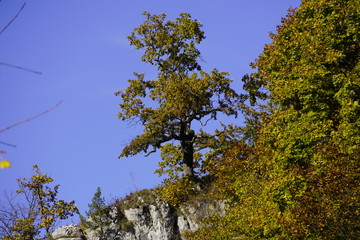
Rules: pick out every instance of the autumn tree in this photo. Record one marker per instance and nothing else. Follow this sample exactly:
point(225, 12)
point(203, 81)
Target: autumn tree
point(301, 178)
point(182, 95)
point(13, 207)
point(45, 210)
point(312, 73)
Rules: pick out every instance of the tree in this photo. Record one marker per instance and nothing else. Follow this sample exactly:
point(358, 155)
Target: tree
point(97, 203)
point(311, 71)
point(14, 207)
point(300, 180)
point(45, 209)
point(98, 216)
point(312, 74)
point(181, 96)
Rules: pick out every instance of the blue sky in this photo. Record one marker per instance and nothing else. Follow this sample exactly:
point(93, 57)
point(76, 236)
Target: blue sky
point(82, 51)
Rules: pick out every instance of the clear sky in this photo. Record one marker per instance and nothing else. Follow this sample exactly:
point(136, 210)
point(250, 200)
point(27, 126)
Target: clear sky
point(80, 47)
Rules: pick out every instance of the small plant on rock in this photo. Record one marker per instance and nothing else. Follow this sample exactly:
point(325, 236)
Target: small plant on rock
point(97, 218)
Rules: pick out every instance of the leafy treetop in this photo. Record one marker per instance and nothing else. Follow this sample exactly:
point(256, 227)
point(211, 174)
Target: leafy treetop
point(181, 95)
point(311, 74)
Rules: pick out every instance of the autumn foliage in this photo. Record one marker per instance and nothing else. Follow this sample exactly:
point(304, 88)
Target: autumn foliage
point(180, 97)
point(300, 179)
point(44, 210)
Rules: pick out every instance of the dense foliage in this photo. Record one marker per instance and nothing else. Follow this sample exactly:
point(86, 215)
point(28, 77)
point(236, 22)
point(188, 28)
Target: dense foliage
point(300, 180)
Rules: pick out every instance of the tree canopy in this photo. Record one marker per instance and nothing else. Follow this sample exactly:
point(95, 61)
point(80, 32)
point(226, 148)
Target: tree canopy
point(181, 95)
point(300, 180)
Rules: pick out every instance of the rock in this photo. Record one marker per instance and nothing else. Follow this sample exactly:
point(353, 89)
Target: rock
point(69, 239)
point(152, 222)
point(69, 232)
point(155, 220)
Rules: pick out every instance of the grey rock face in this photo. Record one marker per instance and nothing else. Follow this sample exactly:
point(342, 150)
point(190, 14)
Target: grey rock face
point(148, 221)
point(190, 215)
point(152, 222)
point(70, 232)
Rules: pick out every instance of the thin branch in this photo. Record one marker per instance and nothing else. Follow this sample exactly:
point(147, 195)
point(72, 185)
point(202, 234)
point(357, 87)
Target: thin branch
point(31, 118)
point(3, 30)
point(152, 151)
point(7, 144)
point(20, 68)
point(204, 124)
point(13, 19)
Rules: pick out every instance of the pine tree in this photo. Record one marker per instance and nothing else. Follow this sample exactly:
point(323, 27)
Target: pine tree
point(97, 215)
point(97, 203)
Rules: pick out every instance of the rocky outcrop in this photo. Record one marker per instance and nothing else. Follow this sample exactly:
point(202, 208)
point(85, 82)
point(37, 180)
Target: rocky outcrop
point(146, 221)
point(191, 214)
point(70, 232)
point(152, 222)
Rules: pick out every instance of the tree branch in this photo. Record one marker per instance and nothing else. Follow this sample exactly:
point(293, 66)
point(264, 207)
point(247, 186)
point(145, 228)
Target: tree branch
point(13, 19)
point(152, 151)
point(20, 68)
point(31, 118)
point(7, 144)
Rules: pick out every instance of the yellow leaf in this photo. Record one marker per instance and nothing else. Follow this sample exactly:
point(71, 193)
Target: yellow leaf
point(4, 164)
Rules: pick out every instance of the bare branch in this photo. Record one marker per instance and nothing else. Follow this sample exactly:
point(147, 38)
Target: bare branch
point(13, 19)
point(20, 68)
point(31, 118)
point(206, 122)
point(3, 30)
point(152, 151)
point(7, 144)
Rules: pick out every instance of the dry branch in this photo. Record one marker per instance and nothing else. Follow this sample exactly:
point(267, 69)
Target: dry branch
point(20, 68)
point(31, 118)
point(13, 19)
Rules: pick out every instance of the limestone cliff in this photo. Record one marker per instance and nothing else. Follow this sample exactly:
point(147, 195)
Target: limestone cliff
point(143, 218)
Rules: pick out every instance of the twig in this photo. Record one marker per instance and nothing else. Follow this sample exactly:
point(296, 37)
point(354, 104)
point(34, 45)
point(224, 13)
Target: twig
point(13, 19)
point(21, 68)
point(152, 151)
point(31, 118)
point(7, 144)
point(3, 30)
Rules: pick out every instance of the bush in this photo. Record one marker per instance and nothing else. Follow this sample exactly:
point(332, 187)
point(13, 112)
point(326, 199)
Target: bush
point(178, 191)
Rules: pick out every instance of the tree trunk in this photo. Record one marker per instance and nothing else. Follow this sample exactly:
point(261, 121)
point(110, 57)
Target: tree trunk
point(186, 139)
point(188, 159)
